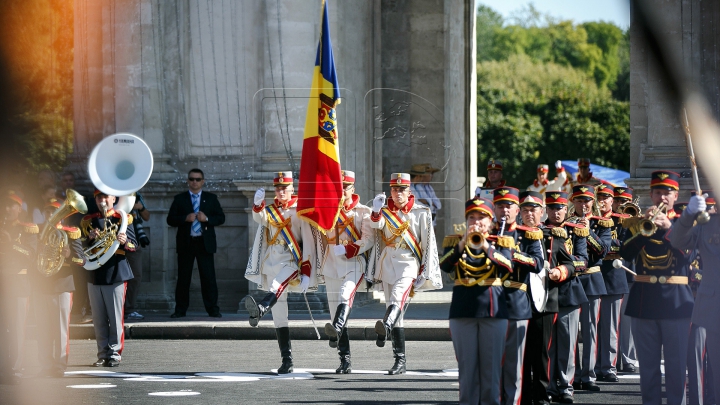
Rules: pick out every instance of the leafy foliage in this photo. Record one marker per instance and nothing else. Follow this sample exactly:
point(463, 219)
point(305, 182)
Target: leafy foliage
point(36, 42)
point(599, 49)
point(531, 112)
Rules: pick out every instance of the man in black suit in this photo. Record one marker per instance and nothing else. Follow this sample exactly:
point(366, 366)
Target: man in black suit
point(196, 213)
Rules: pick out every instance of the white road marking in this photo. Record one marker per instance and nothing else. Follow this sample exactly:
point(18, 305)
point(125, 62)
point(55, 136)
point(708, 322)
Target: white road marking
point(194, 377)
point(182, 393)
point(93, 386)
point(299, 374)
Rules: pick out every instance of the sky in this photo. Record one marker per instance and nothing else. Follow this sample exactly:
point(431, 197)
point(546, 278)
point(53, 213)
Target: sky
point(616, 11)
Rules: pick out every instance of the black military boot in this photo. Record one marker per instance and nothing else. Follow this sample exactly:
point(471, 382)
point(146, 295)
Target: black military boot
point(344, 352)
point(398, 342)
point(283, 337)
point(335, 329)
point(384, 327)
point(256, 310)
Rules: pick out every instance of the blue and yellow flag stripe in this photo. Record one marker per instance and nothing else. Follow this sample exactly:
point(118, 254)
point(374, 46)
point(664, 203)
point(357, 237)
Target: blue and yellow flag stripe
point(407, 236)
point(320, 187)
point(286, 233)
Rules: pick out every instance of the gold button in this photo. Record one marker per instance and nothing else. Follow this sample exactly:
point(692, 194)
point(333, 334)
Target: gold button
point(653, 279)
point(507, 283)
point(662, 279)
point(672, 271)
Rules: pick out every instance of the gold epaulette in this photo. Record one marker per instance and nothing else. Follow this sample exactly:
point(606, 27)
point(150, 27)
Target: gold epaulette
point(606, 222)
point(451, 240)
point(129, 217)
point(536, 234)
point(72, 232)
point(29, 227)
point(506, 241)
point(582, 232)
point(559, 232)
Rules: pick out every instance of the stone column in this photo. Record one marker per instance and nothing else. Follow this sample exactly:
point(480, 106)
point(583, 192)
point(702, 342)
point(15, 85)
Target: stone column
point(657, 140)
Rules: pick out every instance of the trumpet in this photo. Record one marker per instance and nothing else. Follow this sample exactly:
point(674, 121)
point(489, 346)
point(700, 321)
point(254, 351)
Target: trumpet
point(630, 208)
point(647, 227)
point(475, 240)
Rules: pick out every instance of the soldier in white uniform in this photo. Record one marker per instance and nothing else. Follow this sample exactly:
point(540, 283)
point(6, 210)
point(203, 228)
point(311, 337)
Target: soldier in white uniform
point(405, 257)
point(541, 184)
point(277, 263)
point(344, 265)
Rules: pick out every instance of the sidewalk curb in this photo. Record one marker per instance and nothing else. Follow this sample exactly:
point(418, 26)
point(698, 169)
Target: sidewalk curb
point(234, 331)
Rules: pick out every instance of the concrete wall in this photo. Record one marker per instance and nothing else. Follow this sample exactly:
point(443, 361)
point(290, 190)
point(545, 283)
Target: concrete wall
point(657, 140)
point(223, 86)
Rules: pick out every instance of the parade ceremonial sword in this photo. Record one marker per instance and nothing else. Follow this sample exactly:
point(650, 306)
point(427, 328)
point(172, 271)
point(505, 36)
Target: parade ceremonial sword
point(703, 217)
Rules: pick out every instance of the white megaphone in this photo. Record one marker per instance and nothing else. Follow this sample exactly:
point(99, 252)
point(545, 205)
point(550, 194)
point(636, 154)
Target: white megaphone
point(119, 165)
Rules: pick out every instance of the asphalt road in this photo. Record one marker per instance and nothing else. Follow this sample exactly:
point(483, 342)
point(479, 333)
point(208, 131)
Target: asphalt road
point(241, 372)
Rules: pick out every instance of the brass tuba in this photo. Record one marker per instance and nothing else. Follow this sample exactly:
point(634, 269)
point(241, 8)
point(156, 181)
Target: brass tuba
point(52, 240)
point(119, 165)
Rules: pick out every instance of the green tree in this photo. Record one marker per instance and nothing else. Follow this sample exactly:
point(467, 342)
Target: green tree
point(531, 112)
point(608, 38)
point(598, 49)
point(487, 20)
point(36, 42)
point(621, 90)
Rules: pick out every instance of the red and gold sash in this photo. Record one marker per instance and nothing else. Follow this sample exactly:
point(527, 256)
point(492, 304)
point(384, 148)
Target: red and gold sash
point(277, 220)
point(399, 228)
point(349, 224)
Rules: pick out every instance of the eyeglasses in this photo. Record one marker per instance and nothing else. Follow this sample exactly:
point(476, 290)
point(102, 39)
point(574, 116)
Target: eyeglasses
point(195, 179)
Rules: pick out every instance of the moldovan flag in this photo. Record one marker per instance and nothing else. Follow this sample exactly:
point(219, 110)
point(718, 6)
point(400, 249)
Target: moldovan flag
point(320, 186)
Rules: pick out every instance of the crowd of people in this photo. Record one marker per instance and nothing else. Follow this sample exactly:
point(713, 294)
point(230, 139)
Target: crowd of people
point(609, 272)
point(623, 279)
point(614, 274)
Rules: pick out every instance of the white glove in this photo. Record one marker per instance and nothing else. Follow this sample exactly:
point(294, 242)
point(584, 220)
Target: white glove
point(378, 202)
point(478, 190)
point(419, 282)
point(304, 282)
point(339, 250)
point(696, 204)
point(259, 196)
point(558, 165)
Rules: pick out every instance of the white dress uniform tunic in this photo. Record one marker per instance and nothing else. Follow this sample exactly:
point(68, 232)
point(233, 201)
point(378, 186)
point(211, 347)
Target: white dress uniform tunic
point(342, 273)
point(405, 255)
point(397, 267)
point(343, 270)
point(273, 266)
point(555, 184)
point(280, 263)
